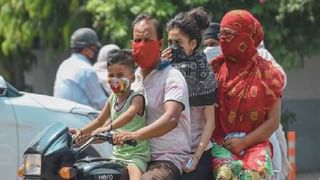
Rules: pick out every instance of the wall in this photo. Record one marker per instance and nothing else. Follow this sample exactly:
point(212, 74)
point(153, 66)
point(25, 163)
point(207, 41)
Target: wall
point(304, 83)
point(307, 126)
point(42, 76)
point(302, 96)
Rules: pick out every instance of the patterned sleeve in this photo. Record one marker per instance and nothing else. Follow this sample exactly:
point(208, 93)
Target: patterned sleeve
point(274, 84)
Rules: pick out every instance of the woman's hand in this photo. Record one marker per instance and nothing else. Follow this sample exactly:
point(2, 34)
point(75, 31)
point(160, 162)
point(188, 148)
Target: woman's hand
point(235, 145)
point(191, 164)
point(166, 54)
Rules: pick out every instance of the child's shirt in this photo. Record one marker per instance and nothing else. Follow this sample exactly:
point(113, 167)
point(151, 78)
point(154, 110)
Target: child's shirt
point(140, 154)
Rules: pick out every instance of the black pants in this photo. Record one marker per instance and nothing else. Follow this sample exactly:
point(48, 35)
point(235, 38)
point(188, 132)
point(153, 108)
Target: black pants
point(203, 170)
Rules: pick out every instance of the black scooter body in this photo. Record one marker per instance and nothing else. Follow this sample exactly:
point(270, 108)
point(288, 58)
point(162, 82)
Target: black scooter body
point(55, 146)
point(99, 168)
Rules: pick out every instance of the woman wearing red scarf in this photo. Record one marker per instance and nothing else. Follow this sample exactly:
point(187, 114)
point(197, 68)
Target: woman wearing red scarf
point(249, 97)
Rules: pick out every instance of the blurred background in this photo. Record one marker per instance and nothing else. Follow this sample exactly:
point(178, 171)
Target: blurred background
point(34, 39)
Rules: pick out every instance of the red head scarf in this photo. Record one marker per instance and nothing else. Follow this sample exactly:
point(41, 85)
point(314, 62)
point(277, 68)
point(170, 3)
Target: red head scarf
point(248, 85)
point(238, 19)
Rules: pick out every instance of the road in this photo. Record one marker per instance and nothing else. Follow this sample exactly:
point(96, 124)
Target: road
point(308, 176)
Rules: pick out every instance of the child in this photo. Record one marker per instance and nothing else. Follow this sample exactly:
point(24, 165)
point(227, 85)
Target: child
point(124, 111)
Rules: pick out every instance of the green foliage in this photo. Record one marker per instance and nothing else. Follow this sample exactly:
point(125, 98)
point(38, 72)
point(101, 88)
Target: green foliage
point(299, 22)
point(113, 18)
point(291, 26)
point(284, 21)
point(30, 24)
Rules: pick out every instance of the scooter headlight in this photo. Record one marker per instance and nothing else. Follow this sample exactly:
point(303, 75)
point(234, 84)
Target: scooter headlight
point(32, 164)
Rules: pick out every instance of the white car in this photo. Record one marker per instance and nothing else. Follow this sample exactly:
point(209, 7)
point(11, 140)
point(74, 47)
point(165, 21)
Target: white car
point(23, 115)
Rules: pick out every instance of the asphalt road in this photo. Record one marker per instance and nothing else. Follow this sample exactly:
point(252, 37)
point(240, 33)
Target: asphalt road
point(308, 176)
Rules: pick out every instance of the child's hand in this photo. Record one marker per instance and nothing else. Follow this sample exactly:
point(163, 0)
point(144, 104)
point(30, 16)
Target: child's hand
point(76, 133)
point(99, 130)
point(191, 164)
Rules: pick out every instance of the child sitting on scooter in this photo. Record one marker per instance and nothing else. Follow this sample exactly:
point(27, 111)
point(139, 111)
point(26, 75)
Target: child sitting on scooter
point(124, 111)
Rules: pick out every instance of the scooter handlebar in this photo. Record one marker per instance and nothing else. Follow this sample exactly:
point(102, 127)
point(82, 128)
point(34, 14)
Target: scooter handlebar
point(105, 136)
point(108, 136)
point(131, 142)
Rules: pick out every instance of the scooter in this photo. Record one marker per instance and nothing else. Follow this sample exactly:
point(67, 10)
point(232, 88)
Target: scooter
point(54, 155)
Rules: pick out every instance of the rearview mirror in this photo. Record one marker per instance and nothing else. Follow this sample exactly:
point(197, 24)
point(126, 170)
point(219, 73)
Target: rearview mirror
point(3, 86)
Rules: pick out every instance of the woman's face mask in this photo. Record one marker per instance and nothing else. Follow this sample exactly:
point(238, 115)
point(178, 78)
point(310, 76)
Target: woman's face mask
point(178, 53)
point(212, 52)
point(181, 45)
point(239, 49)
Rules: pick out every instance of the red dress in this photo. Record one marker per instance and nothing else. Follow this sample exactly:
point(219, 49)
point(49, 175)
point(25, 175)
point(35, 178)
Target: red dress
point(248, 87)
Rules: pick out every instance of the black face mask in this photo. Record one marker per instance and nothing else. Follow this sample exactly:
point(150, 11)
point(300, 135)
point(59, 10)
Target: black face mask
point(93, 59)
point(178, 53)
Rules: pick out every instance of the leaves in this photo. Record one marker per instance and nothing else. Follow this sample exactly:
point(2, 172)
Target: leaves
point(114, 18)
point(291, 26)
point(31, 24)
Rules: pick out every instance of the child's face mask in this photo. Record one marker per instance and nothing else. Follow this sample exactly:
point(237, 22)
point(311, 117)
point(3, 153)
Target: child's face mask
point(119, 85)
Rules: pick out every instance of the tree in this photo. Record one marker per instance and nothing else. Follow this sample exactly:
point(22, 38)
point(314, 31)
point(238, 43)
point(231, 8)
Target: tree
point(31, 24)
point(114, 18)
point(291, 26)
